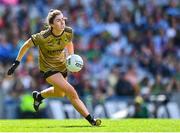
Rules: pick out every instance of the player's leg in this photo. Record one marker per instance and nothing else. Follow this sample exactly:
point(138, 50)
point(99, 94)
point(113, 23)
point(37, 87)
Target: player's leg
point(47, 93)
point(52, 91)
point(59, 81)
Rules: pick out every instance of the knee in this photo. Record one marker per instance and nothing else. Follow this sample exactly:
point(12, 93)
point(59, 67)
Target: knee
point(58, 92)
point(61, 94)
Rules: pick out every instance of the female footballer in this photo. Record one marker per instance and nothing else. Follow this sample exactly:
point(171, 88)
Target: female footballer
point(51, 44)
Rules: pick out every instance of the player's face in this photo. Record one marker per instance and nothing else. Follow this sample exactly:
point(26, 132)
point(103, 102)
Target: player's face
point(59, 22)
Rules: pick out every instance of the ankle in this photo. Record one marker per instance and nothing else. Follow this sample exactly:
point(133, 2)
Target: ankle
point(89, 118)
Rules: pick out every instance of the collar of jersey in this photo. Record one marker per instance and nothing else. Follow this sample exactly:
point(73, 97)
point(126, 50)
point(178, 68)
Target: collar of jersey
point(58, 35)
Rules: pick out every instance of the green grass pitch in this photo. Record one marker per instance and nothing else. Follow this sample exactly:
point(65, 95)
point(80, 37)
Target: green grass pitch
point(80, 125)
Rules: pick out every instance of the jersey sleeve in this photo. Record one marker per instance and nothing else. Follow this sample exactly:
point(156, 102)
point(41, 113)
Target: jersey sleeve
point(36, 38)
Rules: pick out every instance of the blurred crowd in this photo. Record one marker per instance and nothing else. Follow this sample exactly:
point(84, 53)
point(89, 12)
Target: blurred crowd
point(130, 48)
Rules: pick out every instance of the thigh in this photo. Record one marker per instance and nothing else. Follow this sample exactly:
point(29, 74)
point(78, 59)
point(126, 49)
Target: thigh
point(57, 89)
point(58, 81)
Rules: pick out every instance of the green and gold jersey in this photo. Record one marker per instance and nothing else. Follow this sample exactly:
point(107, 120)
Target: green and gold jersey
point(52, 54)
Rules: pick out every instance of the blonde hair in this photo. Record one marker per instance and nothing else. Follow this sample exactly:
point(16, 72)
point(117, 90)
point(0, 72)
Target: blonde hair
point(51, 15)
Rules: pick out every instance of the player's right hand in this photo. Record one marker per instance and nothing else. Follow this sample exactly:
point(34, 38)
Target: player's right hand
point(13, 67)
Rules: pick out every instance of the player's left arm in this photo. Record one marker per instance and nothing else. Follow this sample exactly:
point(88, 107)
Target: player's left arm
point(70, 48)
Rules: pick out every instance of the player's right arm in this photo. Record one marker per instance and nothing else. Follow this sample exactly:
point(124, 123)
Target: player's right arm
point(28, 44)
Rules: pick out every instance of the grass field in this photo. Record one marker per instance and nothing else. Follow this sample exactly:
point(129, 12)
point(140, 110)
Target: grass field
point(80, 125)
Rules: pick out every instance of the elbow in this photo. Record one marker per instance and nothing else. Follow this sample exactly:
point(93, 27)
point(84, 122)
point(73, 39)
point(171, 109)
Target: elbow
point(28, 44)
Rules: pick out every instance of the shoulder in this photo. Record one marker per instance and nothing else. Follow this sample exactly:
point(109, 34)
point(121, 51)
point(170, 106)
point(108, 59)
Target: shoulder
point(45, 33)
point(39, 37)
point(42, 34)
point(68, 29)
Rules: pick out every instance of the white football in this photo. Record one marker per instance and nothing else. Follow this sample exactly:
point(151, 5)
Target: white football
point(74, 63)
